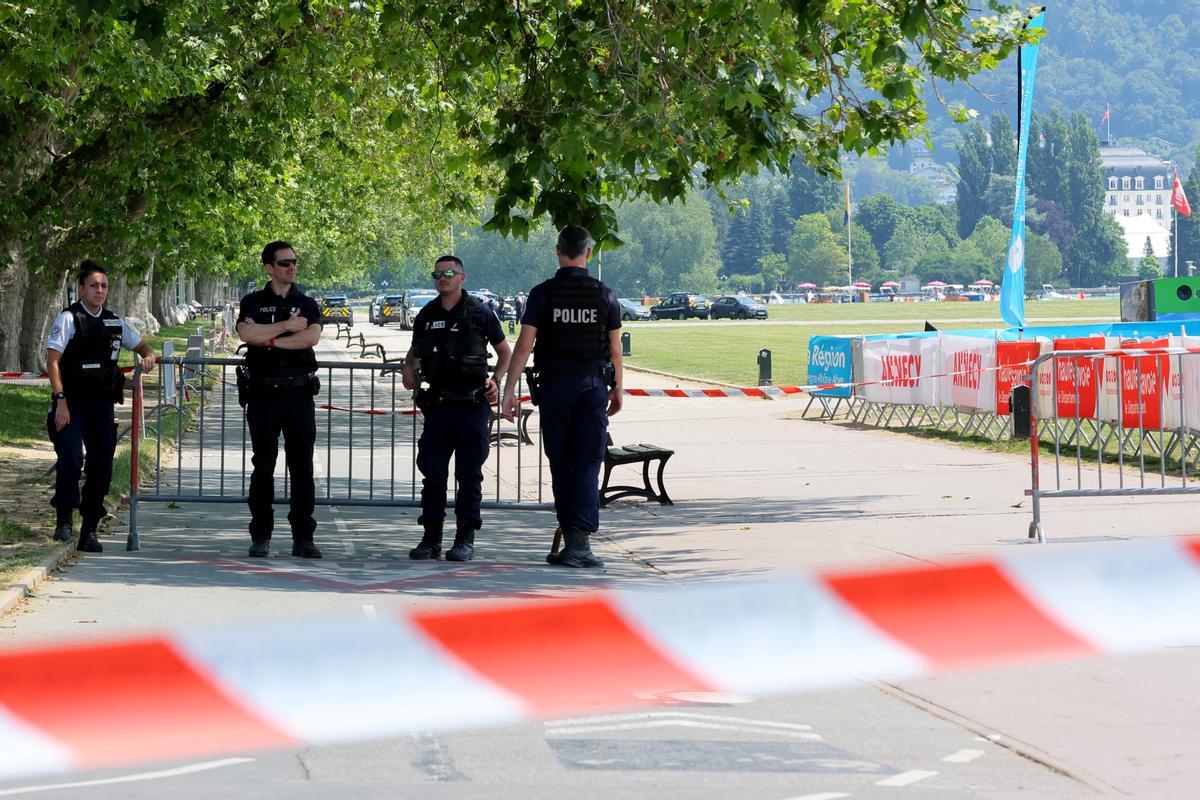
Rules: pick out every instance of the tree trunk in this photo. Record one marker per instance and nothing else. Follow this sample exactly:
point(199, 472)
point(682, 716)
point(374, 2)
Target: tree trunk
point(14, 277)
point(43, 298)
point(130, 297)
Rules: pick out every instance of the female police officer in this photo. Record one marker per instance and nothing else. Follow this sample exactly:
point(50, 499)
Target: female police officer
point(81, 358)
point(449, 350)
point(571, 325)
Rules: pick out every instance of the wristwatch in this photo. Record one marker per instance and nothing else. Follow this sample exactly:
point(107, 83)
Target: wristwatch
point(59, 395)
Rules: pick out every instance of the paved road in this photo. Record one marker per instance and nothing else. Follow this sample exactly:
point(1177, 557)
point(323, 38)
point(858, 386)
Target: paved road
point(758, 492)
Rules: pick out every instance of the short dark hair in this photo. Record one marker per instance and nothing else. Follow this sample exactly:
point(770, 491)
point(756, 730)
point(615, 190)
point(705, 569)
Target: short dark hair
point(449, 257)
point(268, 254)
point(574, 240)
point(88, 267)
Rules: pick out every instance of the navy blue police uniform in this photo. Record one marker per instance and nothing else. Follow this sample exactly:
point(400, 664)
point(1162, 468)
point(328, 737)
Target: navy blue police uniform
point(282, 384)
point(452, 348)
point(93, 383)
point(574, 313)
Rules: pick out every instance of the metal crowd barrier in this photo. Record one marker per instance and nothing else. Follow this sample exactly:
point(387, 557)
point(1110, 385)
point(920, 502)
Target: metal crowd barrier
point(1150, 457)
point(365, 451)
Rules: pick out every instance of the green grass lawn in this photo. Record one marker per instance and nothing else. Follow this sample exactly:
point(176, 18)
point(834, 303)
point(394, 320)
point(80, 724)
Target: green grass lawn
point(942, 313)
point(729, 353)
point(24, 417)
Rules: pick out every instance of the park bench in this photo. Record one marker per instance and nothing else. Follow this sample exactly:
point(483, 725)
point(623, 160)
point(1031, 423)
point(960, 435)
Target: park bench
point(520, 434)
point(342, 328)
point(644, 454)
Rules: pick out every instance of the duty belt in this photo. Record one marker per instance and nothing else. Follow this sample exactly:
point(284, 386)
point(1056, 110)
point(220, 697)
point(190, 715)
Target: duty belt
point(436, 396)
point(273, 384)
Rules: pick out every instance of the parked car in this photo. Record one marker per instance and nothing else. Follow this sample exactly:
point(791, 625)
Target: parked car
point(737, 308)
point(631, 310)
point(681, 305)
point(336, 308)
point(412, 302)
point(387, 308)
point(411, 307)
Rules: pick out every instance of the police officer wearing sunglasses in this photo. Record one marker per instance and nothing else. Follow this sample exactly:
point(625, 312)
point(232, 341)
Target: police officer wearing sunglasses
point(572, 327)
point(280, 326)
point(449, 353)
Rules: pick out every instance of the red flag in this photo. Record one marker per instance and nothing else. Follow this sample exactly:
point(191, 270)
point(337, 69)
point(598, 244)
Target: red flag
point(1179, 199)
point(1104, 119)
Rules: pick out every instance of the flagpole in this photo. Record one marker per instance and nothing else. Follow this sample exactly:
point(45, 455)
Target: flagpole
point(1175, 227)
point(1108, 122)
point(849, 257)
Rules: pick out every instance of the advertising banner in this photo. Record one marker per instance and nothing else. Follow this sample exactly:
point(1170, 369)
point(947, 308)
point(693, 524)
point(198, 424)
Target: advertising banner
point(1013, 360)
point(970, 380)
point(1012, 285)
point(830, 361)
point(1075, 379)
point(1139, 382)
point(896, 370)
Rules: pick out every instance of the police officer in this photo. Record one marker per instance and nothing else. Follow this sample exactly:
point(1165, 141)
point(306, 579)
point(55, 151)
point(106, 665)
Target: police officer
point(81, 358)
point(571, 325)
point(281, 326)
point(449, 351)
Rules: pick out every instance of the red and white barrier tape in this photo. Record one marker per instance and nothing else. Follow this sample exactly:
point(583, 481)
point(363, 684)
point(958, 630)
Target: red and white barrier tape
point(194, 693)
point(36, 378)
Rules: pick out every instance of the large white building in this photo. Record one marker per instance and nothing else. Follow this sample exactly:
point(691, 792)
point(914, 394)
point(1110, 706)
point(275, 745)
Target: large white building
point(1137, 184)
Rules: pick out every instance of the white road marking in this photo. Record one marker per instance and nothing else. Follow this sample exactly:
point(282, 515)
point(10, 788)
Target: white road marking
point(795, 726)
point(682, 723)
point(821, 796)
point(907, 778)
point(370, 613)
point(963, 756)
point(142, 776)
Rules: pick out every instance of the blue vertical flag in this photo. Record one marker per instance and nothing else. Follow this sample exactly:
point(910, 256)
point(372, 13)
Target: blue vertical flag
point(1012, 285)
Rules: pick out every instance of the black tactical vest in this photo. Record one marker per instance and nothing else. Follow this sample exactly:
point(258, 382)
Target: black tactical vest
point(573, 327)
point(273, 362)
point(455, 356)
point(89, 363)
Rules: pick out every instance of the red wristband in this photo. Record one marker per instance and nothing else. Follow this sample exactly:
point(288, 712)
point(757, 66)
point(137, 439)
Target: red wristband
point(271, 343)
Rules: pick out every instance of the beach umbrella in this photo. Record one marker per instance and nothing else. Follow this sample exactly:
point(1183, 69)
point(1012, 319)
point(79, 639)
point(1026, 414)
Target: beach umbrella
point(983, 282)
point(861, 285)
point(807, 286)
point(890, 283)
point(935, 283)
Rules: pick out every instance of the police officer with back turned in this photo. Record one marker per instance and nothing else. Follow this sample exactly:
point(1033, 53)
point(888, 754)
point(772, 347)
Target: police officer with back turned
point(280, 325)
point(81, 359)
point(572, 326)
point(449, 351)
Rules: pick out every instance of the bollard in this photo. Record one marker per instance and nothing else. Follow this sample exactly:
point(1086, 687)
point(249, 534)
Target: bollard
point(1020, 412)
point(626, 349)
point(764, 367)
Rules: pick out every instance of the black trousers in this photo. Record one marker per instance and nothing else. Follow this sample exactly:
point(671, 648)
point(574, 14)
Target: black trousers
point(268, 414)
point(574, 435)
point(461, 429)
point(92, 428)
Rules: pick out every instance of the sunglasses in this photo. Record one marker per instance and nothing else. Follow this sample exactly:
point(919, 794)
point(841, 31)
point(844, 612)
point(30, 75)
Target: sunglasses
point(286, 262)
point(444, 273)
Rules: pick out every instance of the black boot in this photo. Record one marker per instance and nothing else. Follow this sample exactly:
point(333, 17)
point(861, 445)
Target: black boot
point(88, 543)
point(431, 543)
point(577, 552)
point(464, 546)
point(64, 527)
